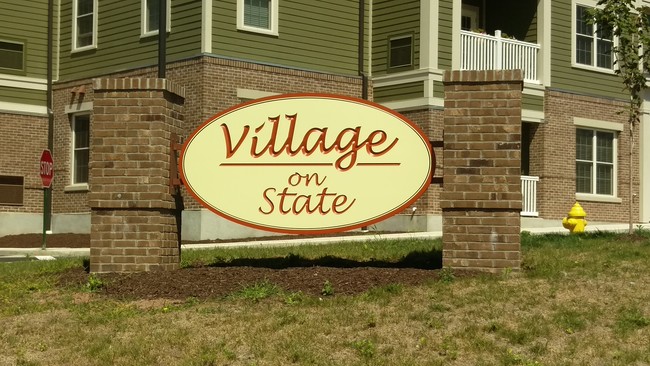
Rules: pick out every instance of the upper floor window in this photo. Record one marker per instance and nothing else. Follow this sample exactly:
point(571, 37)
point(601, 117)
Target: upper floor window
point(593, 42)
point(150, 18)
point(259, 16)
point(84, 24)
point(12, 56)
point(400, 52)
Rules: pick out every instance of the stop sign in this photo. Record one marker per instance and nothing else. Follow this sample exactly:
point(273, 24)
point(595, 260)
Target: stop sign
point(47, 168)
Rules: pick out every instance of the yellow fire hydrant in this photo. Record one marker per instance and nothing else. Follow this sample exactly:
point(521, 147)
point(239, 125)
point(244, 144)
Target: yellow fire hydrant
point(575, 222)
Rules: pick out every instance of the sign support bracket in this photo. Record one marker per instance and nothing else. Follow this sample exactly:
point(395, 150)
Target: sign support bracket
point(175, 148)
point(436, 144)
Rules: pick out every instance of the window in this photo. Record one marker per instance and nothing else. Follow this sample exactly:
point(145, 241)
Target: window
point(260, 16)
point(84, 24)
point(80, 148)
point(400, 53)
point(151, 17)
point(12, 56)
point(11, 190)
point(595, 162)
point(593, 43)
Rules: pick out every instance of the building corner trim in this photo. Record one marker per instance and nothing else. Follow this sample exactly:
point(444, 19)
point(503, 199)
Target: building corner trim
point(206, 26)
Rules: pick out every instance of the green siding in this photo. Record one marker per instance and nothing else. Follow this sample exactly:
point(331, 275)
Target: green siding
point(438, 90)
point(23, 96)
point(394, 18)
point(26, 21)
point(532, 102)
point(444, 34)
point(399, 92)
point(320, 36)
point(531, 33)
point(119, 46)
point(566, 77)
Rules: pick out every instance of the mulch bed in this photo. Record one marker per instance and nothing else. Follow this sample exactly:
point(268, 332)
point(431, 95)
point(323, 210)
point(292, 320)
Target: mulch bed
point(213, 282)
point(52, 241)
point(204, 282)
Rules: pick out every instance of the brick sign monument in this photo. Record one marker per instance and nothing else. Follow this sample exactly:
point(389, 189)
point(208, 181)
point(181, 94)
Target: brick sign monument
point(303, 164)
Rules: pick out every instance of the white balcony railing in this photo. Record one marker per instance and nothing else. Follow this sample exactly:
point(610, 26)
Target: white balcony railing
point(486, 52)
point(529, 196)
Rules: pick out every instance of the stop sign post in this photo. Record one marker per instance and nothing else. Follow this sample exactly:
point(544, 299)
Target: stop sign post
point(47, 168)
point(47, 174)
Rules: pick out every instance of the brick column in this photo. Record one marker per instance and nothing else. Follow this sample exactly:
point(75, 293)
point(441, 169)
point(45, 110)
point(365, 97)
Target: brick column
point(481, 198)
point(133, 224)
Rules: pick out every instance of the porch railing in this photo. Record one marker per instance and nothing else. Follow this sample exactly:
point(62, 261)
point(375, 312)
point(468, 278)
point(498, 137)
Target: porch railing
point(486, 52)
point(529, 196)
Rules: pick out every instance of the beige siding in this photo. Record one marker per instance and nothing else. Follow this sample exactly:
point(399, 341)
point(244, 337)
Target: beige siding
point(119, 46)
point(566, 77)
point(394, 18)
point(320, 36)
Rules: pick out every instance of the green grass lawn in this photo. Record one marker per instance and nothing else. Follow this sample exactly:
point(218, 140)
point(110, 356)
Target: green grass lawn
point(579, 300)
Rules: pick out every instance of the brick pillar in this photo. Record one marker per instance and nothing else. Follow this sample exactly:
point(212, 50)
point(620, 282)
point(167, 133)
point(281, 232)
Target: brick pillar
point(481, 198)
point(133, 224)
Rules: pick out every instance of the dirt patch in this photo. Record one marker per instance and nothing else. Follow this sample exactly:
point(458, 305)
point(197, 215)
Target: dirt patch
point(205, 281)
point(210, 282)
point(53, 241)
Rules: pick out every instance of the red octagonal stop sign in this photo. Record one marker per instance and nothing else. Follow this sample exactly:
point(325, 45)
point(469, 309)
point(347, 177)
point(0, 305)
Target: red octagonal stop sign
point(47, 168)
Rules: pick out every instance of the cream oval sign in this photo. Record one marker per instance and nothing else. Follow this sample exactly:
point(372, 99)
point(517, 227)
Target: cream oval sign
point(307, 163)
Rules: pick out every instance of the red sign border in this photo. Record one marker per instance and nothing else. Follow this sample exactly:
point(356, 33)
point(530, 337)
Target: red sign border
point(40, 161)
point(393, 212)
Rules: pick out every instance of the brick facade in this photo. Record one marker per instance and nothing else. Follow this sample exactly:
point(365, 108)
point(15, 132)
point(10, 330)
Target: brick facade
point(67, 98)
point(23, 139)
point(481, 198)
point(553, 157)
point(133, 215)
point(211, 85)
point(431, 123)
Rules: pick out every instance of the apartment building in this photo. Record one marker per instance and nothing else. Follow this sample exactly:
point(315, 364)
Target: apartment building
point(574, 141)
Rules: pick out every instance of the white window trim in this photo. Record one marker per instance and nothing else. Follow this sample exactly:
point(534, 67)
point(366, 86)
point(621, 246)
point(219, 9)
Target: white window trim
point(143, 19)
point(595, 124)
point(93, 45)
point(24, 54)
point(251, 94)
point(273, 31)
point(72, 187)
point(78, 108)
point(589, 4)
point(604, 126)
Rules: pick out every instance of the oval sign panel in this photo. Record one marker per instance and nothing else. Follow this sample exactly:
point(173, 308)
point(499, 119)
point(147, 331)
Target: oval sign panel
point(307, 163)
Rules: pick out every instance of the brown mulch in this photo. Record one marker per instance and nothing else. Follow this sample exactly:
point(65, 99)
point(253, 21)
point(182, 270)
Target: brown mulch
point(52, 241)
point(214, 282)
point(204, 282)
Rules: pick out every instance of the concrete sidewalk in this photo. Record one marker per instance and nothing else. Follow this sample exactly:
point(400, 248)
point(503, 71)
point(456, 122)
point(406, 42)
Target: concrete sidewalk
point(534, 226)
